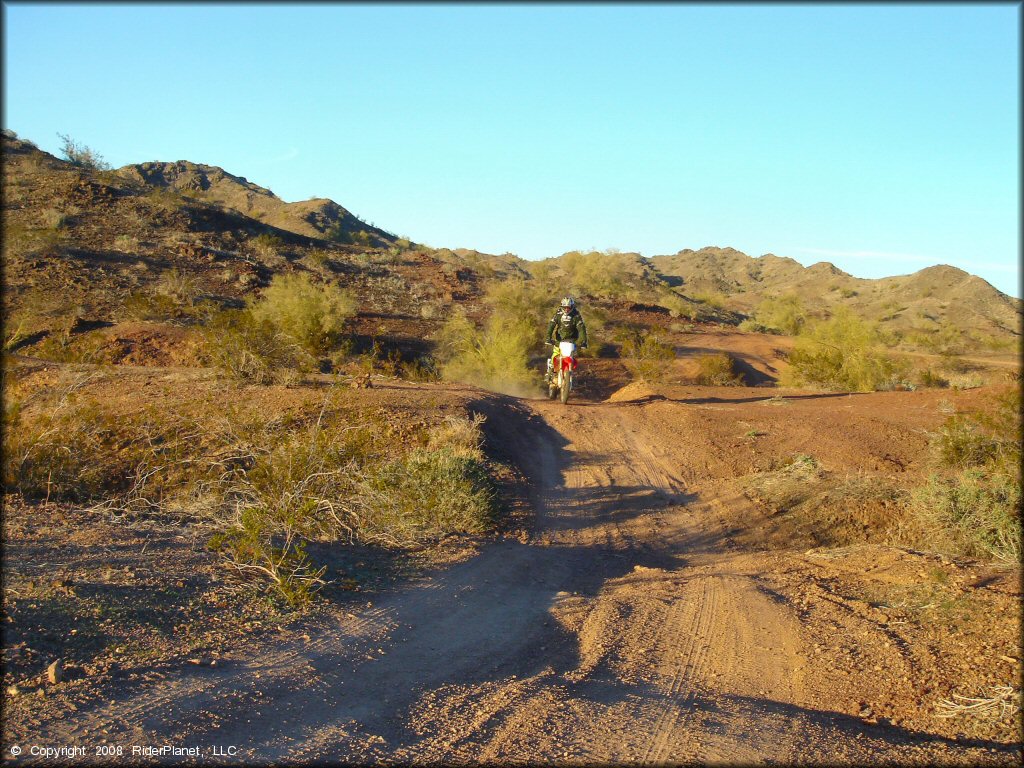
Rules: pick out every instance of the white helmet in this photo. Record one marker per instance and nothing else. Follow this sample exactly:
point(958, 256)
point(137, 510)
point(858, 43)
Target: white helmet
point(568, 303)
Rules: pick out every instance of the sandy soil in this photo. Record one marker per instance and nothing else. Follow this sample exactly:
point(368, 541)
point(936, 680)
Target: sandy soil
point(641, 620)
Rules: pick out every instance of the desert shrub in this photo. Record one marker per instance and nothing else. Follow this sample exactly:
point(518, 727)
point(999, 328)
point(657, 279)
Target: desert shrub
point(678, 306)
point(598, 274)
point(972, 513)
point(424, 492)
point(20, 241)
point(81, 155)
point(338, 234)
point(645, 354)
point(75, 448)
point(126, 243)
point(165, 198)
point(785, 314)
point(947, 340)
point(65, 348)
point(340, 479)
point(497, 355)
point(422, 368)
point(178, 286)
point(971, 503)
point(54, 219)
point(261, 487)
point(843, 353)
point(159, 307)
point(266, 246)
point(247, 348)
point(929, 379)
point(523, 304)
point(752, 326)
point(713, 299)
point(718, 370)
point(309, 314)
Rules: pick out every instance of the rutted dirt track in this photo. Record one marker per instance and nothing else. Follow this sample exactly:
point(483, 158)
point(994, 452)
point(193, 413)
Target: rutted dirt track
point(627, 629)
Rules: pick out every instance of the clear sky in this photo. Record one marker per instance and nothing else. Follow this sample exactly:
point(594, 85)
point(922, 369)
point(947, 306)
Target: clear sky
point(882, 138)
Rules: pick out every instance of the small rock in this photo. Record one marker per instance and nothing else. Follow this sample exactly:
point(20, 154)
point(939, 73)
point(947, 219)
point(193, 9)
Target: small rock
point(13, 690)
point(40, 692)
point(55, 672)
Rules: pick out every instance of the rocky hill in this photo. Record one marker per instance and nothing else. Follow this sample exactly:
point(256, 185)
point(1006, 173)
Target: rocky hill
point(318, 217)
point(917, 305)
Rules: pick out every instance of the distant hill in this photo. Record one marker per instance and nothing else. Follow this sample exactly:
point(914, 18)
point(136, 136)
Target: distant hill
point(316, 217)
point(915, 305)
point(85, 247)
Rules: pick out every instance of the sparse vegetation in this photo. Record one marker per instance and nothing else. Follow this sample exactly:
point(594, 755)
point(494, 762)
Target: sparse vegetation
point(126, 243)
point(81, 155)
point(262, 487)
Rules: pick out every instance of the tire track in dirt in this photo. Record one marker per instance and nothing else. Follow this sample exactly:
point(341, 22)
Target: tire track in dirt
point(693, 621)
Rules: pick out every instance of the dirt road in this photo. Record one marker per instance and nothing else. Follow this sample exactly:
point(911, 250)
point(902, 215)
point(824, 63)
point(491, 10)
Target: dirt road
point(629, 628)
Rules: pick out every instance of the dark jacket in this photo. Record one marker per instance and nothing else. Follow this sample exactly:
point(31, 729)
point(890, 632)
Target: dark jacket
point(568, 326)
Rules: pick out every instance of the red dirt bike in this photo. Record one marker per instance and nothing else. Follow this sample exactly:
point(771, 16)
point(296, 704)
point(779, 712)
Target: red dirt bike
point(560, 371)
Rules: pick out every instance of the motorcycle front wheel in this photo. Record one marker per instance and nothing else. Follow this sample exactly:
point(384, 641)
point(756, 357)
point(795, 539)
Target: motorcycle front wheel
point(566, 386)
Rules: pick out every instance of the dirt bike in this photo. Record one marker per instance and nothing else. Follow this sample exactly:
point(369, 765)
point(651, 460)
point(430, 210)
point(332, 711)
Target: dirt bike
point(560, 371)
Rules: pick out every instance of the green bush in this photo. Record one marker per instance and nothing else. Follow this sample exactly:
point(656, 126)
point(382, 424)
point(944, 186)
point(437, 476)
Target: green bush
point(497, 355)
point(929, 379)
point(645, 355)
point(971, 503)
point(266, 246)
point(309, 314)
point(247, 348)
point(718, 370)
point(785, 314)
point(844, 353)
point(424, 492)
point(713, 299)
point(753, 326)
point(973, 513)
point(598, 274)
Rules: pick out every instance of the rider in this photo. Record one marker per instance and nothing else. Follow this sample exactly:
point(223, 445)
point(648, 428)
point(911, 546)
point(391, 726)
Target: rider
point(566, 325)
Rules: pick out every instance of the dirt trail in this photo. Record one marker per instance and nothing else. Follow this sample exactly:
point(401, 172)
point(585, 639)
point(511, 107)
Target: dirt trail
point(626, 630)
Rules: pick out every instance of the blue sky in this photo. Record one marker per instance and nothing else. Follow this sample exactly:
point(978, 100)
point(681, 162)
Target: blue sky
point(882, 138)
